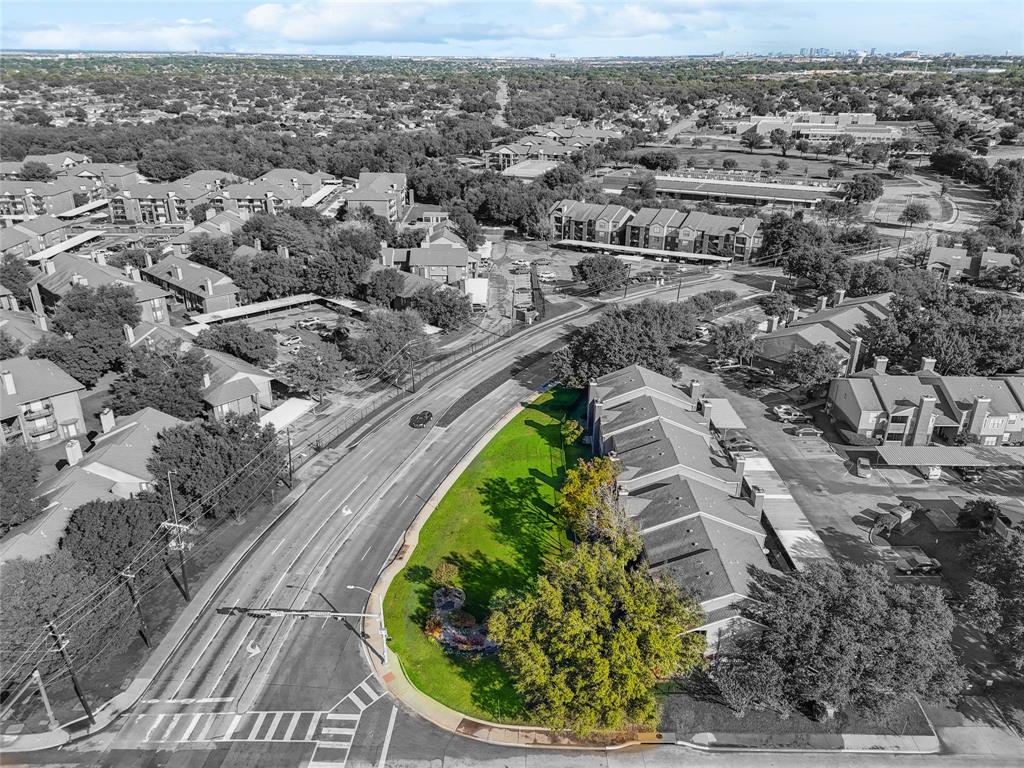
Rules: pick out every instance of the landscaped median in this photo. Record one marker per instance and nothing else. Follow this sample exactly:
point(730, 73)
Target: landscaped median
point(497, 526)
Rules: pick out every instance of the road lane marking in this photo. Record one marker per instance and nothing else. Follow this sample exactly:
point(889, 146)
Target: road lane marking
point(152, 728)
point(231, 728)
point(366, 552)
point(369, 691)
point(331, 731)
point(207, 728)
point(312, 726)
point(340, 716)
point(208, 700)
point(171, 727)
point(387, 738)
point(256, 728)
point(191, 727)
point(291, 725)
point(273, 725)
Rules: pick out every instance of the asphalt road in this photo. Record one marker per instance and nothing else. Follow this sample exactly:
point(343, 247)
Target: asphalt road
point(243, 691)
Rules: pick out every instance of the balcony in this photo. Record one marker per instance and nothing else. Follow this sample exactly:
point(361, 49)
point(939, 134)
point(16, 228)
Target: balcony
point(40, 413)
point(40, 430)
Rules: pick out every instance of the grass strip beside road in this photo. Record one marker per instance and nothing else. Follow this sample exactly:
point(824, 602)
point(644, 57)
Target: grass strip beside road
point(497, 525)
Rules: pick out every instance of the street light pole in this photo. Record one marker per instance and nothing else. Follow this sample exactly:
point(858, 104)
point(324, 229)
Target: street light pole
point(380, 617)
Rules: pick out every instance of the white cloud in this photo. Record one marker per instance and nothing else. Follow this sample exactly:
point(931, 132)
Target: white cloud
point(143, 35)
point(339, 21)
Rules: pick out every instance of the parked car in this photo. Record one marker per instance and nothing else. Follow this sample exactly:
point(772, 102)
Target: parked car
point(421, 419)
point(970, 474)
point(291, 341)
point(863, 467)
point(914, 562)
point(718, 363)
point(789, 414)
point(703, 331)
point(523, 289)
point(547, 274)
point(543, 260)
point(807, 432)
point(308, 324)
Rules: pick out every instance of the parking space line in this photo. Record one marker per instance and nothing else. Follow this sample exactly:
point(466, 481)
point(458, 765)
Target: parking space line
point(312, 726)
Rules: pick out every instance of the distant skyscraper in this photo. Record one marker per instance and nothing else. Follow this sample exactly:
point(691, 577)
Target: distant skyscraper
point(872, 51)
point(803, 51)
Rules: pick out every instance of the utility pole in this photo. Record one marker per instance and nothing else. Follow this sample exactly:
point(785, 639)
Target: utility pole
point(129, 582)
point(60, 645)
point(288, 433)
point(625, 286)
point(679, 287)
point(174, 539)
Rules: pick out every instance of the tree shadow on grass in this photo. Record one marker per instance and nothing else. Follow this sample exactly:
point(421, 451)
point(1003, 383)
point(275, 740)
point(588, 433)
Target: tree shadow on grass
point(522, 520)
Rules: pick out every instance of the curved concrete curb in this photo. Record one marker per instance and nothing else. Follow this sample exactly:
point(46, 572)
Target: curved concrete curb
point(393, 675)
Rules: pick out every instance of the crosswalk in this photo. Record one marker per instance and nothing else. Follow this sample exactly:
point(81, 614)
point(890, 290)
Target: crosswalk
point(332, 732)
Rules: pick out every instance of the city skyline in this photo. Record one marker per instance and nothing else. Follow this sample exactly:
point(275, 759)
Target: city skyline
point(565, 28)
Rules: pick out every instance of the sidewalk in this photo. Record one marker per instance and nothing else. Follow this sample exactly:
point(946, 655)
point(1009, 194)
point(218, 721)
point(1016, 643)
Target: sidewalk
point(110, 710)
point(399, 686)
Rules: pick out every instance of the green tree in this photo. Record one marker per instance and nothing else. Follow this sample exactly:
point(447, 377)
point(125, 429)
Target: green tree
point(167, 380)
point(218, 465)
point(776, 303)
point(900, 167)
point(8, 346)
point(730, 164)
point(589, 502)
point(33, 170)
point(735, 339)
point(863, 188)
point(240, 340)
point(445, 574)
point(571, 431)
point(783, 139)
point(104, 537)
point(112, 306)
point(842, 635)
point(16, 277)
point(315, 368)
point(601, 272)
point(383, 287)
point(443, 307)
point(812, 367)
point(587, 646)
point(95, 349)
point(751, 139)
point(782, 166)
point(915, 212)
point(846, 143)
point(642, 334)
point(19, 471)
point(53, 587)
point(392, 344)
point(336, 271)
point(978, 513)
point(995, 598)
point(266, 276)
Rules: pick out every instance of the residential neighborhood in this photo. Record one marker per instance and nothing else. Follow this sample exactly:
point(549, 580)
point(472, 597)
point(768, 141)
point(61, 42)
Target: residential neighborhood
point(454, 384)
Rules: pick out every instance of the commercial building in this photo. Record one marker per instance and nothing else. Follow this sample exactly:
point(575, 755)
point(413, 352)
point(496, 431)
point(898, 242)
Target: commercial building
point(924, 407)
point(201, 289)
point(39, 403)
point(815, 126)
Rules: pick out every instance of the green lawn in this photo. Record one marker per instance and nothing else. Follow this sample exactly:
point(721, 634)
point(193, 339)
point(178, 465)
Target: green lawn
point(496, 524)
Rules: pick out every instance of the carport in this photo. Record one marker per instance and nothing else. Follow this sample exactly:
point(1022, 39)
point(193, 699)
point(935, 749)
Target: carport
point(930, 459)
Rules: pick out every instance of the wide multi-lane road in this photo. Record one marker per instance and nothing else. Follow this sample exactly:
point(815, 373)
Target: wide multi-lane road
point(243, 691)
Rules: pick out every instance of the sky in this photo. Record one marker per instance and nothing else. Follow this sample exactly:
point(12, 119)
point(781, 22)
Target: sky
point(500, 28)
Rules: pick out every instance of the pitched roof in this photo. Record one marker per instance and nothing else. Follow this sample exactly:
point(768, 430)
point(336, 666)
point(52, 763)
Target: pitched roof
point(633, 378)
point(664, 504)
point(261, 189)
point(68, 266)
point(33, 380)
point(194, 276)
point(230, 378)
point(962, 390)
point(20, 326)
point(41, 225)
point(129, 445)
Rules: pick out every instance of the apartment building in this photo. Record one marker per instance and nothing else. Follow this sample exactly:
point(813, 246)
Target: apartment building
point(923, 407)
point(441, 263)
point(705, 519)
point(200, 289)
point(32, 235)
point(64, 272)
point(657, 229)
point(589, 222)
point(953, 264)
point(256, 196)
point(26, 199)
point(40, 403)
point(386, 194)
point(156, 203)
